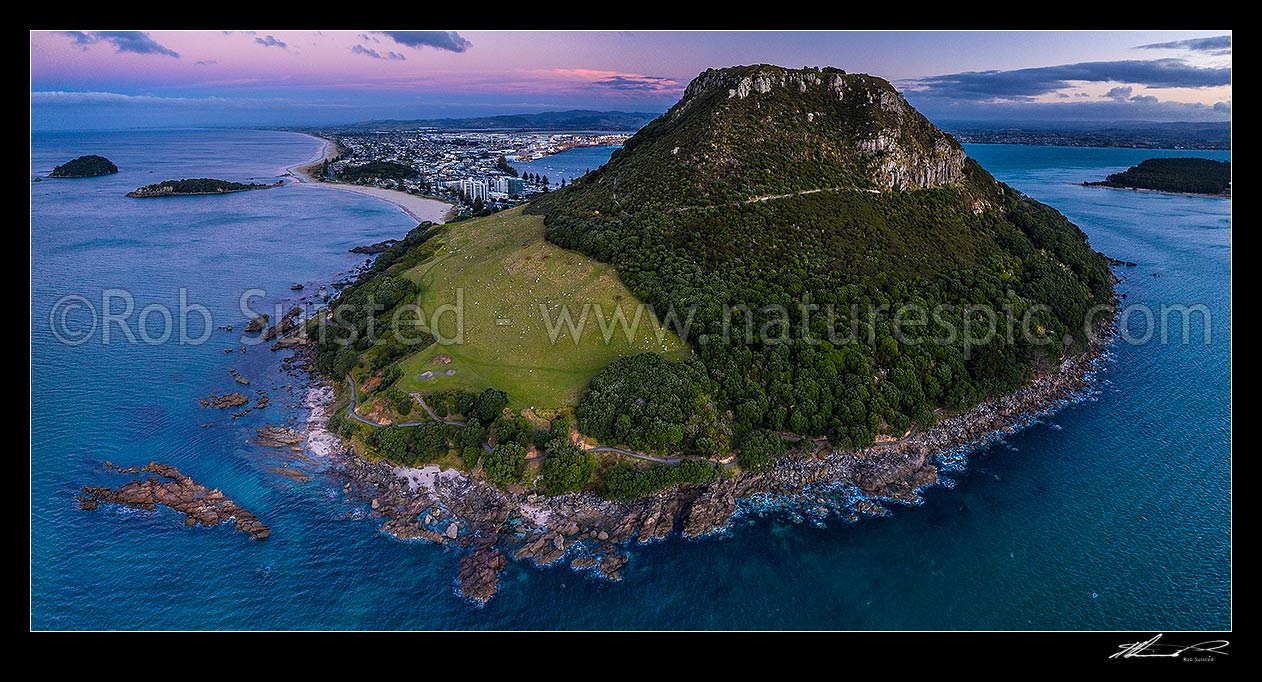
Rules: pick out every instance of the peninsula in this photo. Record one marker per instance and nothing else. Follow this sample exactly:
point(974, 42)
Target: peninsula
point(196, 186)
point(1184, 175)
point(765, 190)
point(89, 166)
point(319, 172)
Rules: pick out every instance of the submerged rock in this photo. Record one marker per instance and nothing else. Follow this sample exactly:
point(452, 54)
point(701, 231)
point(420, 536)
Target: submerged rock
point(223, 402)
point(277, 436)
point(292, 473)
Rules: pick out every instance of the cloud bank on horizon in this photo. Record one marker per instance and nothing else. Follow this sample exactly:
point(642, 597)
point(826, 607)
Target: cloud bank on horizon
point(102, 79)
point(1214, 45)
point(1006, 91)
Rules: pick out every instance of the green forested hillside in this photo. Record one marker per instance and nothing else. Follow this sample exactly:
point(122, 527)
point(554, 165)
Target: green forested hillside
point(837, 265)
point(872, 209)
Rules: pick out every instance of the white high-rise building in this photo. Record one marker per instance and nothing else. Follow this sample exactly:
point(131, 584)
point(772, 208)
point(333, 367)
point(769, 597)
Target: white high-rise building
point(474, 189)
point(509, 185)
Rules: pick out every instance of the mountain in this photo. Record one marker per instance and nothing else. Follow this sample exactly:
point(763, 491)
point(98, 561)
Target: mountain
point(748, 131)
point(576, 119)
point(796, 219)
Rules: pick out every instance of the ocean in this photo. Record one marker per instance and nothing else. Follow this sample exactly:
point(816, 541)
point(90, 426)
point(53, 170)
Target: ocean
point(1114, 513)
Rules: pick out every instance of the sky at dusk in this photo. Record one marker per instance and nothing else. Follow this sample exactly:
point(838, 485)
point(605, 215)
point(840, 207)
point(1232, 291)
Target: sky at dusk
point(83, 79)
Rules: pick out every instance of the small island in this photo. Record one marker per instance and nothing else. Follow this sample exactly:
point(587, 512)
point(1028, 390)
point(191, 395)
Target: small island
point(89, 166)
point(1178, 176)
point(196, 186)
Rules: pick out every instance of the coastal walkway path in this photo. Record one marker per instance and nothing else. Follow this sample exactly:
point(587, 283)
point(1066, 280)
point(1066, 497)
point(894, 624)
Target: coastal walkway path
point(671, 461)
point(637, 455)
point(433, 416)
point(775, 197)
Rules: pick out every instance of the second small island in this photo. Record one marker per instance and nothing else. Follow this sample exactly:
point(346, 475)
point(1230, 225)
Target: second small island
point(1182, 175)
point(196, 186)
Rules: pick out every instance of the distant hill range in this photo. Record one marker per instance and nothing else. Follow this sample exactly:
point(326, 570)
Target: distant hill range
point(575, 119)
point(1131, 134)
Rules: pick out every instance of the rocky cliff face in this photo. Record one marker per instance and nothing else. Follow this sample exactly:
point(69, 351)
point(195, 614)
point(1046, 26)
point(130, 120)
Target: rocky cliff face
point(908, 162)
point(750, 131)
point(905, 150)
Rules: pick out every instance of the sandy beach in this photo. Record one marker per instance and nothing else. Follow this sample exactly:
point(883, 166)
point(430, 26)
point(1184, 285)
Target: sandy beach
point(419, 208)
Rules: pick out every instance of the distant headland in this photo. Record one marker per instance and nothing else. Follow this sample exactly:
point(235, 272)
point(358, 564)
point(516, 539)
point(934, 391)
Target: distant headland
point(89, 166)
point(1129, 135)
point(196, 186)
point(1177, 175)
point(572, 120)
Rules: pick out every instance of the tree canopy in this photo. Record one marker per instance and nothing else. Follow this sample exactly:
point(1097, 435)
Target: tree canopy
point(566, 469)
point(505, 464)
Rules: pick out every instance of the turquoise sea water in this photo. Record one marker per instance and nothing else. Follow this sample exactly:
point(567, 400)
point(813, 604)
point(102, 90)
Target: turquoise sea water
point(1113, 514)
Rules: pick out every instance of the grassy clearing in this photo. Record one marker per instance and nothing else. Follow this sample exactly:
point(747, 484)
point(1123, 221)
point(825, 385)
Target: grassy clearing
point(501, 269)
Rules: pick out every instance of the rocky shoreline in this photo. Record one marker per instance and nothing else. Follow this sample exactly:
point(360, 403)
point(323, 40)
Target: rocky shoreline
point(1212, 195)
point(375, 248)
point(449, 508)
